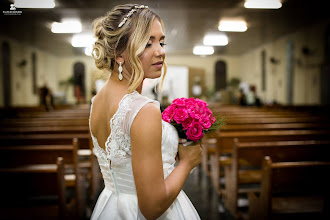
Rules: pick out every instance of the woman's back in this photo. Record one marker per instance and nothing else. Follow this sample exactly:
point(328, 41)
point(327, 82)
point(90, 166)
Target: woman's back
point(105, 105)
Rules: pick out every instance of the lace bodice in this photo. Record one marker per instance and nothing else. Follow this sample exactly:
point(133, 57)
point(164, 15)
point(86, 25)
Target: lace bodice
point(118, 144)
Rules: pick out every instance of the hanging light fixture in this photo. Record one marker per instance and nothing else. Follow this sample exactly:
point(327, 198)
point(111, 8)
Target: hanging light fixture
point(203, 50)
point(215, 39)
point(232, 26)
point(263, 4)
point(70, 26)
point(34, 3)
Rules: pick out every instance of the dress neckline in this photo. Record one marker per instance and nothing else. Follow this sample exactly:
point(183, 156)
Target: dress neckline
point(110, 121)
point(119, 105)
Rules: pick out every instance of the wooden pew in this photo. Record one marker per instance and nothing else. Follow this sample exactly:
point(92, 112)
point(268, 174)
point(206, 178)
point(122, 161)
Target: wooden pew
point(292, 190)
point(17, 156)
point(85, 149)
point(45, 139)
point(14, 112)
point(260, 120)
point(210, 141)
point(225, 142)
point(42, 122)
point(254, 121)
point(245, 168)
point(275, 126)
point(44, 130)
point(60, 115)
point(33, 192)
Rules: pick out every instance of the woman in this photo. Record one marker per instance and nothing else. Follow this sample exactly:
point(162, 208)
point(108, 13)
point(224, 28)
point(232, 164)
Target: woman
point(136, 150)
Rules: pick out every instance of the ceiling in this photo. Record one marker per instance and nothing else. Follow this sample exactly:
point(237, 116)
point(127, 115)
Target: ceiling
point(186, 22)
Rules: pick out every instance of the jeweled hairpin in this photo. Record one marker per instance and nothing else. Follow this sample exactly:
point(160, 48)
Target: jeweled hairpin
point(130, 14)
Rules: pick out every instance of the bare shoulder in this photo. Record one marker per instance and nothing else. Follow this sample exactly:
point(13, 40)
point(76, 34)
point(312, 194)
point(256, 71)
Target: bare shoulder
point(149, 117)
point(150, 110)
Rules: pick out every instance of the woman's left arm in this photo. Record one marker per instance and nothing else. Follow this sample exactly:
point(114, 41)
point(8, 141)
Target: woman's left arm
point(154, 193)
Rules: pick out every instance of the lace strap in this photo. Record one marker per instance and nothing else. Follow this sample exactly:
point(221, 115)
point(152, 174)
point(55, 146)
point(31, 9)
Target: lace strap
point(139, 107)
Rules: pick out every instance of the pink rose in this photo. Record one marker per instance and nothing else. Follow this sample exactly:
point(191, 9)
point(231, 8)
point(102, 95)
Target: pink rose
point(213, 120)
point(180, 115)
point(208, 112)
point(201, 102)
point(205, 122)
point(195, 132)
point(190, 102)
point(179, 102)
point(168, 113)
point(187, 123)
point(197, 110)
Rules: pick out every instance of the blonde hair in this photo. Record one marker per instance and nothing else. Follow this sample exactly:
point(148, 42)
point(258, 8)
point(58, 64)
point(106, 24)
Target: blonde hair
point(132, 37)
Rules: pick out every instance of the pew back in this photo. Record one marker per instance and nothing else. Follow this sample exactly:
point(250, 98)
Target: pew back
point(245, 168)
point(290, 188)
point(33, 192)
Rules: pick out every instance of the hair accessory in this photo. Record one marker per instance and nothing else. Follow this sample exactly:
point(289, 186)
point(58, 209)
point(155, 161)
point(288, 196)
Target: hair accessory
point(120, 69)
point(130, 13)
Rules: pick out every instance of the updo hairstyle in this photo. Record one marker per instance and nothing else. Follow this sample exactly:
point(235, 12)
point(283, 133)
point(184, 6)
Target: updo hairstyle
point(133, 36)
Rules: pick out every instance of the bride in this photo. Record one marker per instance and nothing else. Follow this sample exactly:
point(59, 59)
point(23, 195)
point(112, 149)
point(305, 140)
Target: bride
point(135, 149)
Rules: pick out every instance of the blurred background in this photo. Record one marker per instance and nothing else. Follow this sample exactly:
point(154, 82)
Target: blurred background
point(230, 53)
point(282, 54)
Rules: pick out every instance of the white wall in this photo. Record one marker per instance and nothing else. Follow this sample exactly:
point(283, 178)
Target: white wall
point(208, 64)
point(306, 75)
point(21, 78)
point(65, 70)
point(175, 84)
point(247, 67)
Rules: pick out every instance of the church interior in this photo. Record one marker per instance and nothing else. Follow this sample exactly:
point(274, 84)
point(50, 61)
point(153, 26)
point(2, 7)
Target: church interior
point(269, 80)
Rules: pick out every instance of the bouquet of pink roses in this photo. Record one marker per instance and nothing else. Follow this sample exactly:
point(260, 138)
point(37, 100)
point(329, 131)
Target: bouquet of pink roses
point(192, 118)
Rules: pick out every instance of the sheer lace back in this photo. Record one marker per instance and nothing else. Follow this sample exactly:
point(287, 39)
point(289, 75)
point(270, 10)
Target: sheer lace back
point(118, 144)
point(119, 200)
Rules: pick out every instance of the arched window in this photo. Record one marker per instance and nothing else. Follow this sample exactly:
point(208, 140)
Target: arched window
point(325, 71)
point(220, 75)
point(263, 70)
point(327, 45)
point(289, 72)
point(6, 79)
point(34, 73)
point(79, 82)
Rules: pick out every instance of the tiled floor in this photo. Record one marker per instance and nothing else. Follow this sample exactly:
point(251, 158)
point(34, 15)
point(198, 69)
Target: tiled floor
point(201, 193)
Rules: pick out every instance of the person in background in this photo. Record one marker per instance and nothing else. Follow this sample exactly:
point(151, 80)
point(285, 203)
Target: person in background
point(46, 97)
point(250, 96)
point(257, 102)
point(241, 97)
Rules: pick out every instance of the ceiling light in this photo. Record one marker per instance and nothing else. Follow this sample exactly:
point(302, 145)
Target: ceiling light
point(34, 4)
point(263, 4)
point(232, 26)
point(82, 41)
point(215, 40)
point(66, 27)
point(203, 50)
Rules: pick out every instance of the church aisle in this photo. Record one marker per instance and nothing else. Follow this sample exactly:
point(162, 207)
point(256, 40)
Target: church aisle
point(200, 191)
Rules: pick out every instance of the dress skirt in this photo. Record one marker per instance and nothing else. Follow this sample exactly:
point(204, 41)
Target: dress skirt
point(125, 207)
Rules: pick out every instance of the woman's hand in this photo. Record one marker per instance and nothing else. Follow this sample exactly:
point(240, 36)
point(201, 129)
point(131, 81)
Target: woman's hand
point(191, 154)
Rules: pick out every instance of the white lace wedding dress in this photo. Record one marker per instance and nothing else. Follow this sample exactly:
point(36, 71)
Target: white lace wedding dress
point(118, 200)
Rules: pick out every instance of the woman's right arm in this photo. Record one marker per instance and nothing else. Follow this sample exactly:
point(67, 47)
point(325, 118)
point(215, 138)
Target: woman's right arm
point(155, 194)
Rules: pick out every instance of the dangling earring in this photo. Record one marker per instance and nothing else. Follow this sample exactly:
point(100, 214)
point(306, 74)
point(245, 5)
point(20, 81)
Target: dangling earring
point(120, 69)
